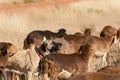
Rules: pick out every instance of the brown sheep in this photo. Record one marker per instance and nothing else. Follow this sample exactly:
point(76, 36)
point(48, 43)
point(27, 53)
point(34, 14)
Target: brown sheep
point(108, 31)
point(38, 37)
point(110, 70)
point(25, 61)
point(77, 39)
point(56, 65)
point(100, 45)
point(58, 45)
point(7, 50)
point(95, 76)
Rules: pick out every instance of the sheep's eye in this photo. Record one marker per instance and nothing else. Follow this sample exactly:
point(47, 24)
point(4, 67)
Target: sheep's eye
point(11, 54)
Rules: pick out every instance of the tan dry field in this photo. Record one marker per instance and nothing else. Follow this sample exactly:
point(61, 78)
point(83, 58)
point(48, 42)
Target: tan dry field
point(16, 21)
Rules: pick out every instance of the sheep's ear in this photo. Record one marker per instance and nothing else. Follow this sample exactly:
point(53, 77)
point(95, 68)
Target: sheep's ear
point(3, 51)
point(43, 47)
point(114, 39)
point(44, 39)
point(102, 34)
point(118, 33)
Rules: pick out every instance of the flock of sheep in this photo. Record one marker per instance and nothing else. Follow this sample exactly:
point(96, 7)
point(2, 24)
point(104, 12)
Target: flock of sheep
point(60, 56)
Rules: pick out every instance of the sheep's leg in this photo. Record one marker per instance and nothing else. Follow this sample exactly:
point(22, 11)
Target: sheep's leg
point(29, 75)
point(14, 76)
point(104, 58)
point(17, 77)
point(44, 76)
point(54, 76)
point(22, 77)
point(65, 74)
point(4, 74)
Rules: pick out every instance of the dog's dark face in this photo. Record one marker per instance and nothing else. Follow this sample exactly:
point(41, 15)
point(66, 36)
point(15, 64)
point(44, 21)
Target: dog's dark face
point(51, 46)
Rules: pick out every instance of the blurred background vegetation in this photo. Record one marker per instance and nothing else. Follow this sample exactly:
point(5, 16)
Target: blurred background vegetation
point(21, 1)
